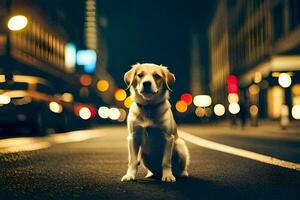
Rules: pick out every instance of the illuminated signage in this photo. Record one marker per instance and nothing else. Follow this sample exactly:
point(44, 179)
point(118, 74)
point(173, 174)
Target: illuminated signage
point(88, 59)
point(232, 84)
point(70, 56)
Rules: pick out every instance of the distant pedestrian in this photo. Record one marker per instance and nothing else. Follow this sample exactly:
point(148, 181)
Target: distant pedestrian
point(243, 114)
point(233, 120)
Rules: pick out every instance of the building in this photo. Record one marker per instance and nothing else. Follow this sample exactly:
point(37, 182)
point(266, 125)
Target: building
point(38, 49)
point(94, 39)
point(219, 48)
point(197, 72)
point(258, 41)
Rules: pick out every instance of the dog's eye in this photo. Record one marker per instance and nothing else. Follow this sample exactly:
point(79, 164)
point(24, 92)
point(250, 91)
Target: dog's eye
point(156, 76)
point(140, 75)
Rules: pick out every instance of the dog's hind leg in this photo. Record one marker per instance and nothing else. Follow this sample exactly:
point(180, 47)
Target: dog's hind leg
point(149, 174)
point(184, 156)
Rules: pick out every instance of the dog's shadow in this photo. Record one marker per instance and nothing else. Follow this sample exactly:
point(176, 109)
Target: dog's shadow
point(192, 187)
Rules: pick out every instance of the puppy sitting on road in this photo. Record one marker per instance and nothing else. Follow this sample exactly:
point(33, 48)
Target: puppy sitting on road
point(151, 126)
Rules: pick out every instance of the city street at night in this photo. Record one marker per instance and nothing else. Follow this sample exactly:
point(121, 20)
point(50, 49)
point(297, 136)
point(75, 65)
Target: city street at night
point(89, 164)
point(138, 99)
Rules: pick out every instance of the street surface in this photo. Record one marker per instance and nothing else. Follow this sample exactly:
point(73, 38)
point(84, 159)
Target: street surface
point(89, 164)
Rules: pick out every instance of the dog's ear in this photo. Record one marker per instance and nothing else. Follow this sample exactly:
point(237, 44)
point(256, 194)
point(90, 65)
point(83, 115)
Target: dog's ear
point(129, 76)
point(169, 78)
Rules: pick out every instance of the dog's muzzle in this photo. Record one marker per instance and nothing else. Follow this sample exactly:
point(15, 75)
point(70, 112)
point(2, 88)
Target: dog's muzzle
point(147, 87)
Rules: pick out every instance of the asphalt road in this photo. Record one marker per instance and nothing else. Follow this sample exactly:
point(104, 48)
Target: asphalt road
point(91, 168)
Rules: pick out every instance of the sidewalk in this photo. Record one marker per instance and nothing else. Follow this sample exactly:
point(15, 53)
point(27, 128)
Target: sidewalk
point(265, 128)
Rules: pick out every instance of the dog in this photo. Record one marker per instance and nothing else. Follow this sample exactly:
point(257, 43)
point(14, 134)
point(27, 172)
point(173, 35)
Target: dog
point(152, 129)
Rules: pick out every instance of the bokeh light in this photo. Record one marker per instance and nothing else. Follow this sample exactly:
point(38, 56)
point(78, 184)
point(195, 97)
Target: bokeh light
point(200, 112)
point(85, 113)
point(55, 107)
point(187, 98)
point(181, 106)
point(128, 102)
point(103, 112)
point(284, 80)
point(67, 97)
point(233, 98)
point(85, 80)
point(253, 110)
point(296, 112)
point(17, 23)
point(257, 77)
point(219, 110)
point(114, 113)
point(234, 108)
point(122, 115)
point(232, 84)
point(102, 85)
point(4, 99)
point(202, 100)
point(120, 94)
point(70, 57)
point(254, 89)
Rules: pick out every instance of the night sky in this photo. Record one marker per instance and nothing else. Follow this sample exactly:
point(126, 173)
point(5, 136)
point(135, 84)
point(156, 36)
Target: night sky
point(155, 31)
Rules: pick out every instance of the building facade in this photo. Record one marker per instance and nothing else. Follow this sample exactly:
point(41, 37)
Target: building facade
point(219, 48)
point(257, 40)
point(38, 49)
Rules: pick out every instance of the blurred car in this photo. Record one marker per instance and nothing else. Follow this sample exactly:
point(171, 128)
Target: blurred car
point(30, 101)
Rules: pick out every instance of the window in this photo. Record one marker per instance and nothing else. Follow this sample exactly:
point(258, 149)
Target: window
point(278, 21)
point(294, 10)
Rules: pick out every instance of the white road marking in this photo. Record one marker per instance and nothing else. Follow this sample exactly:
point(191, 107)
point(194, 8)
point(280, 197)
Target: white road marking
point(76, 136)
point(238, 152)
point(14, 145)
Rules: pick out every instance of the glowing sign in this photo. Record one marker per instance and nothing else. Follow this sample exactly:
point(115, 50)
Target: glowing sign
point(70, 56)
point(87, 58)
point(232, 84)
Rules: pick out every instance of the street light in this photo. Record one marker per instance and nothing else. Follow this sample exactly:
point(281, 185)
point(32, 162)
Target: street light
point(17, 23)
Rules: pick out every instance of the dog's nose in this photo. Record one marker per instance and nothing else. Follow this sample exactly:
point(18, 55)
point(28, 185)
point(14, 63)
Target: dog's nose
point(147, 85)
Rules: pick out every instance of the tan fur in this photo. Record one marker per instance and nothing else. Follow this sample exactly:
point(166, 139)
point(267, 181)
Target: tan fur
point(152, 129)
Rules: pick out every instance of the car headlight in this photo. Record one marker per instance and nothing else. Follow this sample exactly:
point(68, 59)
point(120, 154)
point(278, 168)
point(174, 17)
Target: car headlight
point(55, 107)
point(4, 99)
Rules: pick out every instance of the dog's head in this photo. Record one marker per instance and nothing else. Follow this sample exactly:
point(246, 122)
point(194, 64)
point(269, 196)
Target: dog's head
point(149, 81)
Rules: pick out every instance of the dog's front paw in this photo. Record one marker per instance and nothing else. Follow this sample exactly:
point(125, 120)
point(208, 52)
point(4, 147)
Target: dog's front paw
point(168, 176)
point(128, 177)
